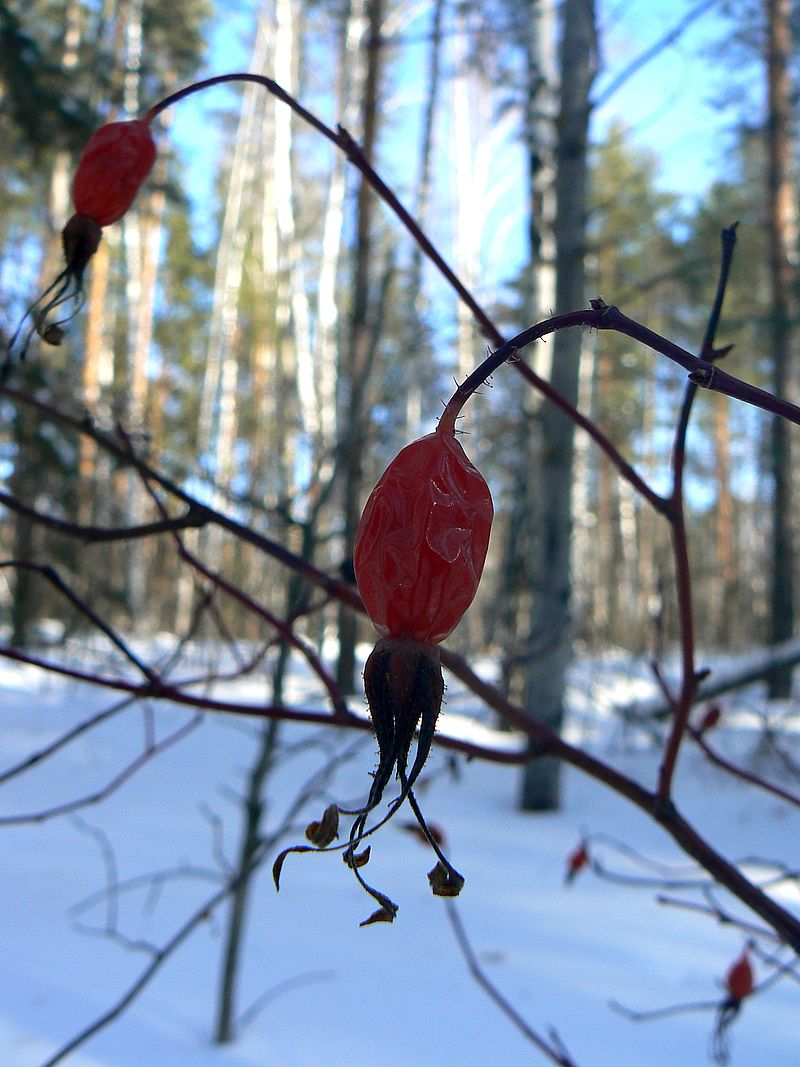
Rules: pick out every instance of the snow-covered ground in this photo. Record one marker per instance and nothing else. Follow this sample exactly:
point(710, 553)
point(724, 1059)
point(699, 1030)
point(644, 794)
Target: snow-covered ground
point(388, 995)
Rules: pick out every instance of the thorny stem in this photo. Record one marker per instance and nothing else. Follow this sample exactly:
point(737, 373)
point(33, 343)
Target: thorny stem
point(92, 535)
point(205, 514)
point(650, 1015)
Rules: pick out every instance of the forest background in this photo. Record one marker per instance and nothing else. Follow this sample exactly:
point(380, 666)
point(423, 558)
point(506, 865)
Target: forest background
point(219, 313)
point(267, 335)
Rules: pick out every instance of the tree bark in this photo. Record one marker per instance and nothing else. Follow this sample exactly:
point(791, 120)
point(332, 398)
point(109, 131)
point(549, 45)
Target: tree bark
point(781, 209)
point(546, 676)
point(360, 345)
point(517, 577)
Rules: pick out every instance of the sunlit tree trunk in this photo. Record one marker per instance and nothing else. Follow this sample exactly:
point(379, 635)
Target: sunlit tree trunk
point(27, 475)
point(353, 29)
point(470, 194)
point(724, 535)
point(217, 418)
point(417, 351)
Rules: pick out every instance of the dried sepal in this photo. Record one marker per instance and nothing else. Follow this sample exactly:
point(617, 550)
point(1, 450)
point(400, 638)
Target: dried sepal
point(324, 832)
point(354, 860)
point(445, 881)
point(404, 687)
point(52, 334)
point(277, 866)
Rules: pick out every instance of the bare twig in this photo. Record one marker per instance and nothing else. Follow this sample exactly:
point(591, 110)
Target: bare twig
point(150, 751)
point(554, 1049)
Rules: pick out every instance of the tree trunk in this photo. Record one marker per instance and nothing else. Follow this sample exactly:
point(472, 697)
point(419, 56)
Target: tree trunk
point(359, 346)
point(470, 191)
point(353, 29)
point(516, 584)
point(781, 212)
point(253, 810)
point(546, 676)
point(418, 355)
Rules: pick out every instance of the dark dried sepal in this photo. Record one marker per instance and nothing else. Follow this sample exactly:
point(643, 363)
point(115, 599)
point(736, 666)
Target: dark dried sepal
point(354, 860)
point(404, 688)
point(381, 915)
point(80, 239)
point(445, 881)
point(52, 334)
point(325, 831)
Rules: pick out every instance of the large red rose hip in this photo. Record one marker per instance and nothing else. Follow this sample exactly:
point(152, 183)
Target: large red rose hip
point(422, 540)
point(115, 161)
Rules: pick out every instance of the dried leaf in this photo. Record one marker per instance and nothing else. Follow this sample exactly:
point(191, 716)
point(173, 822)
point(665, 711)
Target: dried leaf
point(325, 831)
point(445, 881)
point(356, 859)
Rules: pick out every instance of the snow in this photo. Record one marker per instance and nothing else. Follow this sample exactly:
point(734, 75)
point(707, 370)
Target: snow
point(389, 995)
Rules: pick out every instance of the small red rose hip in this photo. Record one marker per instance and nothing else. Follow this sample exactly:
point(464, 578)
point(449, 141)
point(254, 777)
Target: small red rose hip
point(739, 979)
point(115, 161)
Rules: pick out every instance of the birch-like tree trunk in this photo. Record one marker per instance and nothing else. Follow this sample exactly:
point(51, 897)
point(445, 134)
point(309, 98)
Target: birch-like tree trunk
point(217, 420)
point(469, 201)
point(27, 475)
point(417, 352)
point(546, 673)
point(326, 337)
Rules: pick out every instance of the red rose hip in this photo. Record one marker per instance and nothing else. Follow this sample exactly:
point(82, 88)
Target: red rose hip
point(115, 161)
point(422, 540)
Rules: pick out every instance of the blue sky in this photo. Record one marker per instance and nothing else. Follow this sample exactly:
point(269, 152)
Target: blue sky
point(667, 104)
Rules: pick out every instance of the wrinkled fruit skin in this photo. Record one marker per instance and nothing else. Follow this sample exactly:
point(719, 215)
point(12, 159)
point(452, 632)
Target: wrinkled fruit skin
point(422, 540)
point(116, 160)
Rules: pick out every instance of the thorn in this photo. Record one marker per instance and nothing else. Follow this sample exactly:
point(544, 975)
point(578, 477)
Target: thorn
point(721, 353)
